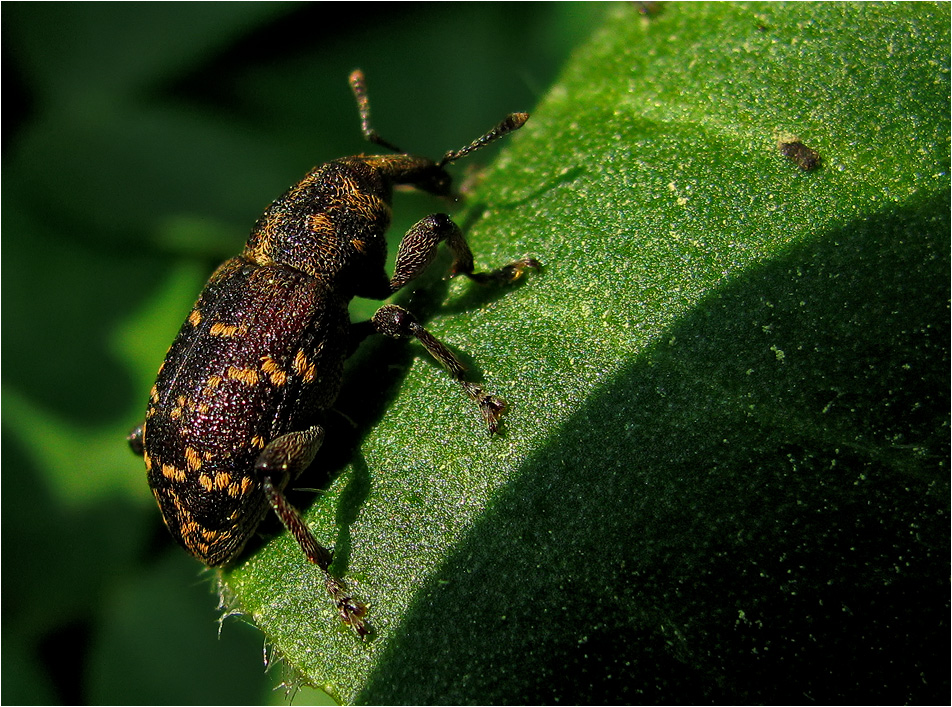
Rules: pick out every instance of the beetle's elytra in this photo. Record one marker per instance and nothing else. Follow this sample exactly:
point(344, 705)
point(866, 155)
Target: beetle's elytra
point(232, 416)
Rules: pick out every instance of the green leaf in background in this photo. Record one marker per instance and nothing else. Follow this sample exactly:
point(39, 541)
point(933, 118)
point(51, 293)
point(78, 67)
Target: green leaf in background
point(724, 475)
point(725, 472)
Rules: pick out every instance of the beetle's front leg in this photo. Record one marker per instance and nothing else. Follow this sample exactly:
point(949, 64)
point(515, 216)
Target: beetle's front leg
point(398, 323)
point(285, 458)
point(418, 248)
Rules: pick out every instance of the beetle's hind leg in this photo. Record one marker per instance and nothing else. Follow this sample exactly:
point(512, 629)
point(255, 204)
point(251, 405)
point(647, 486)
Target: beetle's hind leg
point(285, 458)
point(282, 460)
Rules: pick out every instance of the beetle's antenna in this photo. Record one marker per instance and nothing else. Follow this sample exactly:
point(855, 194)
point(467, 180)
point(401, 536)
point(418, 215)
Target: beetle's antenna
point(363, 105)
point(511, 122)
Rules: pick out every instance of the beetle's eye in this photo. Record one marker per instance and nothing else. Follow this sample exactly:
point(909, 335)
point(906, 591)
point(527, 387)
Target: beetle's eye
point(441, 183)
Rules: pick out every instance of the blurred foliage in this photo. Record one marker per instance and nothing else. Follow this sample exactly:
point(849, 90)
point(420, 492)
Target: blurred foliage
point(141, 141)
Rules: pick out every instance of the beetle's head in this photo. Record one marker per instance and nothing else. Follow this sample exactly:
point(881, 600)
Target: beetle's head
point(422, 173)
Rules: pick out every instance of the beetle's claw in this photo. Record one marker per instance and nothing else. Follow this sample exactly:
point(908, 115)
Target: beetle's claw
point(492, 407)
point(350, 611)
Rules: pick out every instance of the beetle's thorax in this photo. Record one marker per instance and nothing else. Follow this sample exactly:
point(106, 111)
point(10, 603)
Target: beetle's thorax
point(331, 225)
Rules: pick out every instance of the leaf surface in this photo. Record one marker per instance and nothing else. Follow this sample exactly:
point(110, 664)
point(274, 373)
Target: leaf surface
point(724, 473)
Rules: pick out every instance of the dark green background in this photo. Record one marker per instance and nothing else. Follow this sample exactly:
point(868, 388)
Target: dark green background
point(141, 141)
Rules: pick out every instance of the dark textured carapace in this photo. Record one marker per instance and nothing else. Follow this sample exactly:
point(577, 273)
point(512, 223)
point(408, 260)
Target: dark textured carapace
point(232, 416)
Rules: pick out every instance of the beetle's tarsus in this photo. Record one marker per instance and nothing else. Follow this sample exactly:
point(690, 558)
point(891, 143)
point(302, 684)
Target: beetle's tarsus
point(492, 407)
point(504, 275)
point(350, 611)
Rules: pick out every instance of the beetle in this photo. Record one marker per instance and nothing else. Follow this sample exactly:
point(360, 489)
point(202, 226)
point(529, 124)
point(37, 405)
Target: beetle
point(231, 419)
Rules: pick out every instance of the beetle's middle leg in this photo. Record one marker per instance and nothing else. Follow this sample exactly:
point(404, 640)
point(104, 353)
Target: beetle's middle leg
point(396, 322)
point(419, 247)
point(283, 459)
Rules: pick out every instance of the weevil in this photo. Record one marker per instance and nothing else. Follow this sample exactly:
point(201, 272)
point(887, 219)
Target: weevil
point(232, 417)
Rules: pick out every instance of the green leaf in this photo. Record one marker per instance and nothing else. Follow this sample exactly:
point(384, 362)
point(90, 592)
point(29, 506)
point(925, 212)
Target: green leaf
point(724, 475)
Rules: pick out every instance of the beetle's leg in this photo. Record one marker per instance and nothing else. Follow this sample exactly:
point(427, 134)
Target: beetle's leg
point(285, 458)
point(418, 248)
point(135, 439)
point(398, 323)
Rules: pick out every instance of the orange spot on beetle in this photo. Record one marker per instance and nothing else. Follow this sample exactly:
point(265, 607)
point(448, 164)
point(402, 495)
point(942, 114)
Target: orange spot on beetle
point(173, 473)
point(273, 370)
point(192, 459)
point(248, 376)
point(303, 367)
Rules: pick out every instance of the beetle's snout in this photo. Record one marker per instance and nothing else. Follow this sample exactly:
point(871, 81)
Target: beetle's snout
point(436, 181)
